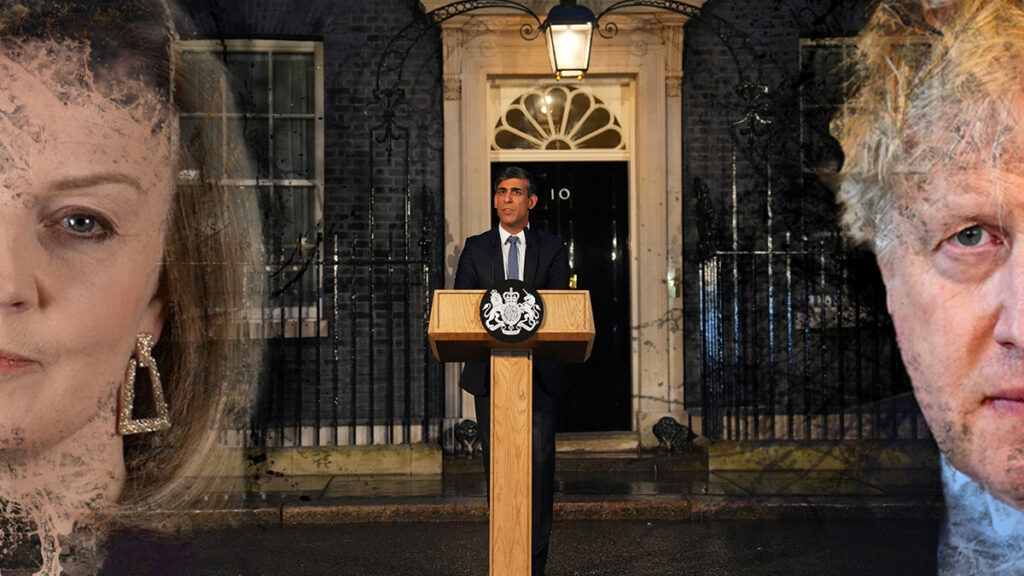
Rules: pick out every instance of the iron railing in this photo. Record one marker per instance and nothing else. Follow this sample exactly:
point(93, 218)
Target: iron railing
point(797, 345)
point(347, 356)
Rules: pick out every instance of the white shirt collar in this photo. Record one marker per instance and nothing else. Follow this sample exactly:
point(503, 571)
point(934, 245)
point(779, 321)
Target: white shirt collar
point(505, 234)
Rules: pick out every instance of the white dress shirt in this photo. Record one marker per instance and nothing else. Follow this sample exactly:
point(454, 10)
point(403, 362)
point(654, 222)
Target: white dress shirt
point(980, 535)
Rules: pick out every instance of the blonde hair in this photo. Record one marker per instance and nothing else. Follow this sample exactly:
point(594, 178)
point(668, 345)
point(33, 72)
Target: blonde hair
point(212, 281)
point(212, 272)
point(937, 86)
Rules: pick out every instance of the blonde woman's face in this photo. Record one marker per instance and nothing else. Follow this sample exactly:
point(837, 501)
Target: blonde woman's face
point(954, 274)
point(84, 192)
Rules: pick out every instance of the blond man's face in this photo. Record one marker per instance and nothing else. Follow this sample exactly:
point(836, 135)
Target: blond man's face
point(954, 273)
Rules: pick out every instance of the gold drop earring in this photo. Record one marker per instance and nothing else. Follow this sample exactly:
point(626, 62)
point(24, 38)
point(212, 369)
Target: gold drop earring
point(142, 356)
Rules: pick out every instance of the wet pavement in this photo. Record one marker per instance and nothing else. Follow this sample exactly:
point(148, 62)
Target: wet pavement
point(612, 548)
point(596, 487)
point(614, 515)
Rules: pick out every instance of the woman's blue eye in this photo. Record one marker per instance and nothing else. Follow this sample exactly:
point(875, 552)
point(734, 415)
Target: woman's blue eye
point(84, 225)
point(970, 236)
point(80, 223)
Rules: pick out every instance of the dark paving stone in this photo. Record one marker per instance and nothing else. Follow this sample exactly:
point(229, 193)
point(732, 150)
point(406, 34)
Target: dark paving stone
point(814, 547)
point(594, 487)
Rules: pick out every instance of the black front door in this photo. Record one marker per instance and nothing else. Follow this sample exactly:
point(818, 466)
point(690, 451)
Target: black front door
point(587, 204)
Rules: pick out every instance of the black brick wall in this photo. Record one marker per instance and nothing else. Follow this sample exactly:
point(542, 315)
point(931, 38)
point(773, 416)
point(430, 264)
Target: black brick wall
point(757, 41)
point(355, 34)
point(736, 41)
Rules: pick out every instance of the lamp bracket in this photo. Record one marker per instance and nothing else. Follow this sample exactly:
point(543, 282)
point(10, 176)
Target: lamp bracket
point(668, 5)
point(610, 29)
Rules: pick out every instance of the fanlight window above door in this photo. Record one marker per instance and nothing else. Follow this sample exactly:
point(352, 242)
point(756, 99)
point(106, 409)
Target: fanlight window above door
point(557, 118)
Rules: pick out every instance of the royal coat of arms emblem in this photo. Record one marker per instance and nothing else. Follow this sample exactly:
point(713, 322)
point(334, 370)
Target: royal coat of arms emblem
point(511, 312)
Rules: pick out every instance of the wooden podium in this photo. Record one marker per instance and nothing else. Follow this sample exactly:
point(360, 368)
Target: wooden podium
point(566, 334)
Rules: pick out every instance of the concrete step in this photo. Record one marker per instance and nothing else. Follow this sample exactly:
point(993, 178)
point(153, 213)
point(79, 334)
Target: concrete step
point(601, 462)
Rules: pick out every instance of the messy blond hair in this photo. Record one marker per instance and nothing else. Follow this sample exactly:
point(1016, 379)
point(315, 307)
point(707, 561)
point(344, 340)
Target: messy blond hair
point(212, 263)
point(937, 86)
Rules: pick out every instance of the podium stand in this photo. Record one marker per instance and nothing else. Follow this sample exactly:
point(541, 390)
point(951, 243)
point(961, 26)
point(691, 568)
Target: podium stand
point(566, 334)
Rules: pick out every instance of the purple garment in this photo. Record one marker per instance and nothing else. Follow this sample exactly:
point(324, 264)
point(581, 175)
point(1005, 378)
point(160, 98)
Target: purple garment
point(138, 553)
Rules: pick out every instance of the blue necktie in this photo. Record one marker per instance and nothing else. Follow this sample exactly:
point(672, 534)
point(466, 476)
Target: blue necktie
point(513, 258)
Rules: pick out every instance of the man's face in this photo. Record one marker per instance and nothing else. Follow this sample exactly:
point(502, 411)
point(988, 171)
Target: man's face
point(513, 203)
point(954, 273)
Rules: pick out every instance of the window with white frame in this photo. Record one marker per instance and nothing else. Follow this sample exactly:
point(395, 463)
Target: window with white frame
point(276, 88)
point(825, 74)
point(828, 69)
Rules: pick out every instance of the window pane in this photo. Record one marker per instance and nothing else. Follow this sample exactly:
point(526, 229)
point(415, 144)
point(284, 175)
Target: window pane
point(293, 147)
point(823, 75)
point(200, 144)
point(255, 131)
point(289, 233)
point(519, 120)
point(298, 209)
point(603, 138)
point(293, 84)
point(249, 75)
point(289, 214)
point(598, 119)
point(505, 140)
point(200, 88)
point(578, 107)
point(272, 237)
point(821, 152)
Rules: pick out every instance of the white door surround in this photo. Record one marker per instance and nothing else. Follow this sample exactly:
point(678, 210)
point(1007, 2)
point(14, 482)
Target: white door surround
point(485, 45)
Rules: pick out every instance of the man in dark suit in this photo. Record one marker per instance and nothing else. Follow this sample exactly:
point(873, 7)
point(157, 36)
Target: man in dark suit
point(513, 250)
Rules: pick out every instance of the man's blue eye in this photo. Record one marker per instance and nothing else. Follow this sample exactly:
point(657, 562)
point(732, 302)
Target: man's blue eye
point(970, 236)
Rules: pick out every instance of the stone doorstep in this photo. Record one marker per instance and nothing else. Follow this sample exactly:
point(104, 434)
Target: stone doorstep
point(632, 462)
point(600, 442)
point(607, 451)
point(411, 459)
point(426, 458)
point(600, 462)
point(822, 455)
point(650, 508)
point(419, 458)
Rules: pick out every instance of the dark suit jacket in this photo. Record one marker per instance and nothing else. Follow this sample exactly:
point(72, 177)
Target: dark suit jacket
point(481, 266)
